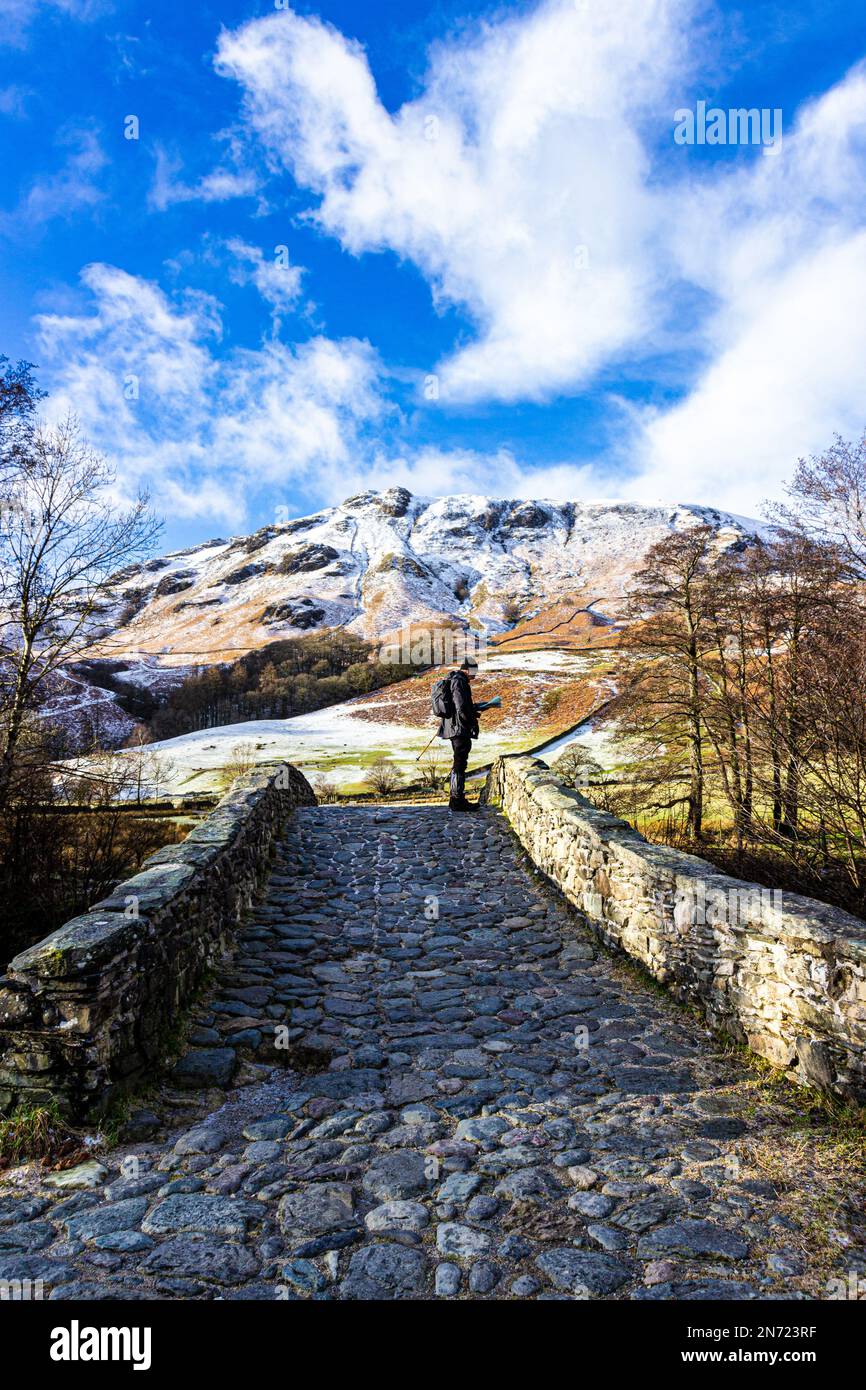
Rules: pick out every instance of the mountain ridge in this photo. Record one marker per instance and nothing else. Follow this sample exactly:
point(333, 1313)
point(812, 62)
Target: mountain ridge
point(380, 560)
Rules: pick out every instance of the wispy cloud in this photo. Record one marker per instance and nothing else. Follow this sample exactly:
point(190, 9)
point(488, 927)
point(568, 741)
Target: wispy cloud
point(278, 281)
point(435, 472)
point(218, 186)
point(17, 16)
point(73, 188)
point(14, 99)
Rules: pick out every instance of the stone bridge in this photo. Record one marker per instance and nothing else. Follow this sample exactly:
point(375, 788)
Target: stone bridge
point(417, 1073)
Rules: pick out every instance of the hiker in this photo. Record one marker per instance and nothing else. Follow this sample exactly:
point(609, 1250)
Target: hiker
point(460, 725)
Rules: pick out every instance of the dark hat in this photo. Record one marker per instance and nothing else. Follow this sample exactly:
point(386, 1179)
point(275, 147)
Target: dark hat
point(469, 664)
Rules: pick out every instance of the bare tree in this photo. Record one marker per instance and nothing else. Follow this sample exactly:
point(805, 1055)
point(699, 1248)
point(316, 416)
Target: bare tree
point(67, 841)
point(576, 767)
point(19, 395)
point(146, 769)
point(765, 605)
point(833, 793)
point(241, 759)
point(62, 537)
point(432, 770)
point(326, 790)
point(659, 672)
point(383, 777)
point(828, 500)
point(140, 759)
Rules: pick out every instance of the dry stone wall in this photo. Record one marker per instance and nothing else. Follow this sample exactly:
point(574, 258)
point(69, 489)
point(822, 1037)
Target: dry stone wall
point(783, 973)
point(88, 1010)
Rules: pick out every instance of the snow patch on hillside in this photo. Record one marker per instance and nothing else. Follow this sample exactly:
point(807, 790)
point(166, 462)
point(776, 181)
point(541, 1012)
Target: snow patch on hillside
point(381, 560)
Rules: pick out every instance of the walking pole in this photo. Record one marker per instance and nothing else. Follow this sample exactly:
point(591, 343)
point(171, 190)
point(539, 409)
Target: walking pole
point(424, 750)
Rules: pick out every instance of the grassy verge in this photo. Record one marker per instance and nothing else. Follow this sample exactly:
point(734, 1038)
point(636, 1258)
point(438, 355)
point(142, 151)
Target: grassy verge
point(36, 1132)
point(812, 1148)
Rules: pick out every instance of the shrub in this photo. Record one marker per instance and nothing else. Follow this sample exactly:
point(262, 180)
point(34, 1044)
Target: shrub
point(383, 777)
point(433, 771)
point(511, 611)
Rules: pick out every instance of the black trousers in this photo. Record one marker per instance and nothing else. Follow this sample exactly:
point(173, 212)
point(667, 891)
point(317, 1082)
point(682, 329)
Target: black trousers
point(461, 745)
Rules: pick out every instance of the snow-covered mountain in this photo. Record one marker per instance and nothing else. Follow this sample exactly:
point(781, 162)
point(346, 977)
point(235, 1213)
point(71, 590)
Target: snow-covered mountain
point(380, 560)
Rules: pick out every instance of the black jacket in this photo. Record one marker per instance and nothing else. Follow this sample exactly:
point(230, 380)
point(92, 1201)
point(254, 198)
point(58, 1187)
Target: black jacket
point(465, 721)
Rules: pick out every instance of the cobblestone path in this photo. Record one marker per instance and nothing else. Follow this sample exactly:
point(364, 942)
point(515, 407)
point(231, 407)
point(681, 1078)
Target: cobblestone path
point(475, 1101)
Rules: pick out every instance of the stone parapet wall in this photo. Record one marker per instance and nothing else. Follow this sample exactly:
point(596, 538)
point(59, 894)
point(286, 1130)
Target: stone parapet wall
point(782, 973)
point(88, 1010)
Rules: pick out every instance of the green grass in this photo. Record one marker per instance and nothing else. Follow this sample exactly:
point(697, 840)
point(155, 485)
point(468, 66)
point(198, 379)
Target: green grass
point(36, 1131)
point(837, 1122)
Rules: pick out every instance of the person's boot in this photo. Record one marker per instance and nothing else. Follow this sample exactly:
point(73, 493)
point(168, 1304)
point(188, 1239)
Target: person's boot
point(462, 805)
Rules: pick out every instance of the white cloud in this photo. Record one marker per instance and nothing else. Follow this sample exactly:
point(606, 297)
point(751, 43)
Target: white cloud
point(276, 279)
point(294, 413)
point(548, 130)
point(523, 149)
point(73, 188)
point(433, 472)
point(787, 382)
point(219, 186)
point(13, 100)
point(781, 246)
point(202, 430)
point(206, 430)
point(16, 16)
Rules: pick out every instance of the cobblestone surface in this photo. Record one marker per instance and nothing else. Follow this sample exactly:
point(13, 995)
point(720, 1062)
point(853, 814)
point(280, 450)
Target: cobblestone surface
point(419, 1077)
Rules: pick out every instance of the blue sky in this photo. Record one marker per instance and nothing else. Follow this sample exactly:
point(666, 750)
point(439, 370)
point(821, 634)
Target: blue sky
point(501, 273)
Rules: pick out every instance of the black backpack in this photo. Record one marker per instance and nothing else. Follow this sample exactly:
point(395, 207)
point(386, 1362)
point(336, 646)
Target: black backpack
point(442, 699)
